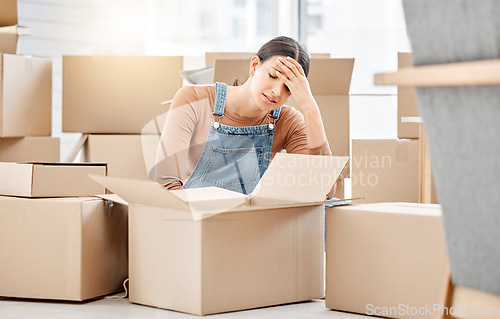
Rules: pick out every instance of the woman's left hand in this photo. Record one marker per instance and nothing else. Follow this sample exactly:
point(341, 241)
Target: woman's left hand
point(292, 75)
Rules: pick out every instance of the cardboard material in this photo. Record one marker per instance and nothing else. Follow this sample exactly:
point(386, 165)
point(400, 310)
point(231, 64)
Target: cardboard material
point(386, 259)
point(50, 179)
point(29, 149)
point(407, 103)
point(8, 12)
point(329, 80)
point(211, 57)
point(117, 94)
point(62, 248)
point(128, 156)
point(241, 251)
point(385, 170)
point(26, 96)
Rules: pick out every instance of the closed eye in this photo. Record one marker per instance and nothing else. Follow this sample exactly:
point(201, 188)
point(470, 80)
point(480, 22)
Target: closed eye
point(273, 77)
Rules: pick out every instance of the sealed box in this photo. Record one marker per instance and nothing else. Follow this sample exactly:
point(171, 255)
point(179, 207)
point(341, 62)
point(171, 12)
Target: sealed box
point(211, 250)
point(386, 259)
point(62, 248)
point(117, 94)
point(50, 179)
point(129, 156)
point(385, 170)
point(8, 12)
point(407, 103)
point(29, 149)
point(26, 96)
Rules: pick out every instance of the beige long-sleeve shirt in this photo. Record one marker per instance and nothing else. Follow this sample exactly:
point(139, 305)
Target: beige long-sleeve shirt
point(188, 124)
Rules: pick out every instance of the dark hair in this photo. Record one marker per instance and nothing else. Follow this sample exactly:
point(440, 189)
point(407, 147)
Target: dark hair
point(287, 47)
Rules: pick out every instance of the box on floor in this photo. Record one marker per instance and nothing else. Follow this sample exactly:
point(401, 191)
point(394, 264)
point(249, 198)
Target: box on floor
point(71, 248)
point(407, 103)
point(29, 149)
point(117, 94)
point(50, 179)
point(210, 250)
point(128, 156)
point(329, 80)
point(26, 96)
point(386, 259)
point(8, 12)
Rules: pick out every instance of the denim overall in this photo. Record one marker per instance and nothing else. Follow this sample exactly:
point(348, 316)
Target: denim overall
point(233, 158)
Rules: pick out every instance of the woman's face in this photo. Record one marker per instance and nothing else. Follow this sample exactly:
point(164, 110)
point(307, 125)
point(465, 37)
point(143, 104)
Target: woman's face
point(268, 90)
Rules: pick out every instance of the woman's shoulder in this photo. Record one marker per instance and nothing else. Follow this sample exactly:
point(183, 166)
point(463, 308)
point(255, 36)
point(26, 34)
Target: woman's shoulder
point(192, 93)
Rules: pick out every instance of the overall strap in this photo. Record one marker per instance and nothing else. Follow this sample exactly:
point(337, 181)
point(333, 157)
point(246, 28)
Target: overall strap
point(276, 113)
point(220, 98)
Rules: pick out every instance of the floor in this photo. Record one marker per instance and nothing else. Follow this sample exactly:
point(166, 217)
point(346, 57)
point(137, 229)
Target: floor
point(120, 308)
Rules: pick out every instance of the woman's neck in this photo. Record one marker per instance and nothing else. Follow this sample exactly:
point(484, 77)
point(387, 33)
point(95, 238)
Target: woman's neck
point(240, 101)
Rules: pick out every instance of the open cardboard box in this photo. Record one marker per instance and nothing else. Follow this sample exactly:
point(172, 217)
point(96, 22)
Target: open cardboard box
point(210, 250)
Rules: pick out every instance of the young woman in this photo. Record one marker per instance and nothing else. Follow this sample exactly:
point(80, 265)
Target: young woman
point(225, 136)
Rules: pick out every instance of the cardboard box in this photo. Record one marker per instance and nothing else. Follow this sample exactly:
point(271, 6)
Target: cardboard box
point(407, 103)
point(211, 250)
point(386, 259)
point(62, 248)
point(29, 149)
point(385, 170)
point(329, 80)
point(210, 57)
point(8, 12)
point(50, 179)
point(26, 96)
point(128, 156)
point(117, 94)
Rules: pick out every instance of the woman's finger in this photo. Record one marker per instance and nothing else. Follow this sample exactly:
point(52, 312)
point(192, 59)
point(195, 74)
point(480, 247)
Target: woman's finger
point(284, 69)
point(296, 64)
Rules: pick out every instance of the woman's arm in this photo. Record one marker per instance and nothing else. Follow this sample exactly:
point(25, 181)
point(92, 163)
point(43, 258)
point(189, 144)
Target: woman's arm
point(293, 77)
point(174, 145)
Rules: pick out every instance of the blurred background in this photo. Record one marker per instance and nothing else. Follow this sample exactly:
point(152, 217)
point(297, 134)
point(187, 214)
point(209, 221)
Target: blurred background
point(372, 32)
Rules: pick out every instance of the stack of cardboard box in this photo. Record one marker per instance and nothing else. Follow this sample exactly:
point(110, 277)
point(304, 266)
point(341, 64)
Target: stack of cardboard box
point(389, 170)
point(25, 97)
point(117, 100)
point(57, 241)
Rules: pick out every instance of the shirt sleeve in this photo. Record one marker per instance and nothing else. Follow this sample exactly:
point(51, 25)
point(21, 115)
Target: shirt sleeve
point(296, 137)
point(173, 148)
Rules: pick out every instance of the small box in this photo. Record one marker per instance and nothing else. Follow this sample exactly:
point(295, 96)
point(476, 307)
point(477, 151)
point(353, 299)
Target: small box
point(29, 149)
point(62, 248)
point(50, 179)
point(26, 96)
point(386, 260)
point(211, 250)
point(385, 170)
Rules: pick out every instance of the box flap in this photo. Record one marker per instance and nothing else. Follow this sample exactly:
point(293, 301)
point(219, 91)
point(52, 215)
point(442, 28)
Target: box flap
point(299, 178)
point(200, 202)
point(113, 198)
